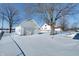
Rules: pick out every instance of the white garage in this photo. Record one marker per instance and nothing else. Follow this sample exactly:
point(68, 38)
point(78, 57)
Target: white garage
point(27, 27)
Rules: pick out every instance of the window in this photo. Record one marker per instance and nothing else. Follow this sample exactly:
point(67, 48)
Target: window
point(45, 25)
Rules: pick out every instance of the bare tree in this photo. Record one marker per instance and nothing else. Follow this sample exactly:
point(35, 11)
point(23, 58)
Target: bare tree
point(2, 22)
point(75, 26)
point(64, 24)
point(46, 11)
point(2, 18)
point(10, 14)
point(52, 12)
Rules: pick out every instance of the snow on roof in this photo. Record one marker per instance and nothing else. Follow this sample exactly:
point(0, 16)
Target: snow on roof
point(45, 27)
point(56, 26)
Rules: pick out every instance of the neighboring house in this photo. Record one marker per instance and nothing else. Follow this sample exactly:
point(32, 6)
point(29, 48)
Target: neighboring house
point(27, 27)
point(47, 28)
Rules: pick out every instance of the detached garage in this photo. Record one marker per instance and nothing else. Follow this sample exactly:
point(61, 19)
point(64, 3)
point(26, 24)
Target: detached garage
point(27, 27)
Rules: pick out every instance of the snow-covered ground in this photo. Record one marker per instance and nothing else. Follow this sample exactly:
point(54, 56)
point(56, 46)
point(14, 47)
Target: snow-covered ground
point(40, 45)
point(8, 47)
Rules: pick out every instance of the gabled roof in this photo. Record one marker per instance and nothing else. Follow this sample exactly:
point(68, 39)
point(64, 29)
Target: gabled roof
point(56, 26)
point(29, 23)
point(45, 27)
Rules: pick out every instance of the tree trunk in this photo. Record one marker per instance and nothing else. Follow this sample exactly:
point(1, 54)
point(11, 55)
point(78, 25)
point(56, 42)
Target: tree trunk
point(52, 29)
point(2, 21)
point(2, 24)
point(10, 28)
point(63, 24)
point(63, 27)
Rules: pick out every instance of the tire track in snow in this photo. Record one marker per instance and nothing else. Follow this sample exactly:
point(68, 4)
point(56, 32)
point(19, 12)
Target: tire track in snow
point(18, 46)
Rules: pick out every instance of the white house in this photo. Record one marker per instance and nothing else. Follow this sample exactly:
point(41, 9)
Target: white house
point(47, 28)
point(27, 27)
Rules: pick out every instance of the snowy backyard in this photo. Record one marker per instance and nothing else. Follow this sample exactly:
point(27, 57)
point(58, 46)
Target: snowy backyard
point(39, 29)
point(39, 45)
